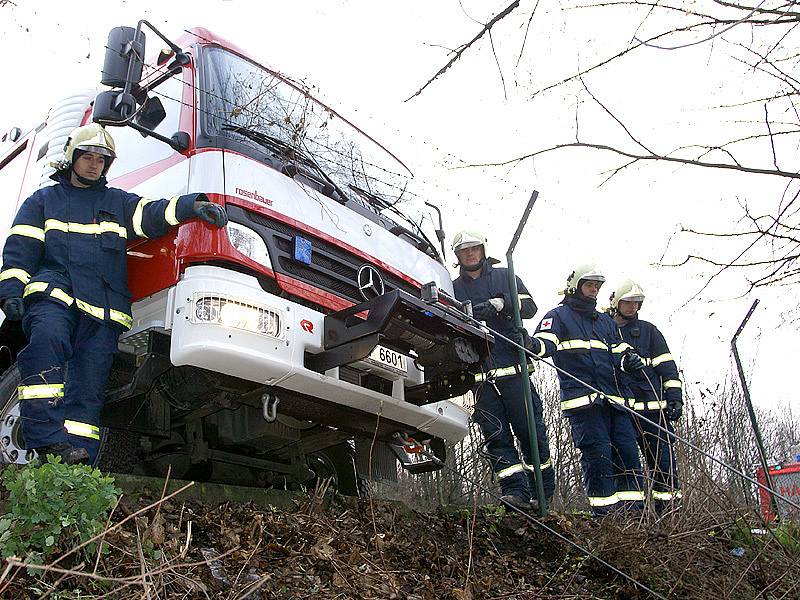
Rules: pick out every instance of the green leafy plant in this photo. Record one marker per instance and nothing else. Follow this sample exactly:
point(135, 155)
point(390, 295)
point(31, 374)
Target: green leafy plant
point(788, 534)
point(494, 511)
point(53, 505)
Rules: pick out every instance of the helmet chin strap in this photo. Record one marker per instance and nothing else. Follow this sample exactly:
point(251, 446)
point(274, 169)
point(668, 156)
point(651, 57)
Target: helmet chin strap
point(476, 267)
point(86, 181)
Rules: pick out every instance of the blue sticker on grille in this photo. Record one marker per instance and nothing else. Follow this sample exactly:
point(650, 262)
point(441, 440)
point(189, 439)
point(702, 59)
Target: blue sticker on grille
point(302, 250)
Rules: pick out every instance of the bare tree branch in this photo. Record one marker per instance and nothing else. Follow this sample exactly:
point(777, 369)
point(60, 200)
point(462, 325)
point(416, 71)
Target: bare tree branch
point(499, 16)
point(527, 28)
point(499, 68)
point(712, 36)
point(613, 116)
point(771, 138)
point(637, 157)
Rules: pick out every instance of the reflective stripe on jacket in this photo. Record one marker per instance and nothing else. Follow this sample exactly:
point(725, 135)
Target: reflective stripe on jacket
point(69, 243)
point(660, 366)
point(589, 347)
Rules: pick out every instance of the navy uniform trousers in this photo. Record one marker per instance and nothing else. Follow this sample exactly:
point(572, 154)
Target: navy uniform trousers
point(64, 369)
point(659, 455)
point(494, 412)
point(609, 457)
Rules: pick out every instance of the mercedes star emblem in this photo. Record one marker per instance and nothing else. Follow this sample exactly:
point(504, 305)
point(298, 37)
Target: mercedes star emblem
point(370, 282)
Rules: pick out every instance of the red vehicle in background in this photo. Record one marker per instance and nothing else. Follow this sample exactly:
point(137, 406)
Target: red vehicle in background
point(785, 479)
point(298, 340)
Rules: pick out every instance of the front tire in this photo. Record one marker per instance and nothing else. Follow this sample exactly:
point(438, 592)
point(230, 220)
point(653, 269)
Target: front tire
point(12, 444)
point(336, 463)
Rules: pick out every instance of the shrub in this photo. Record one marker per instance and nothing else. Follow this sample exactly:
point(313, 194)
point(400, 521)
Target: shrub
point(52, 506)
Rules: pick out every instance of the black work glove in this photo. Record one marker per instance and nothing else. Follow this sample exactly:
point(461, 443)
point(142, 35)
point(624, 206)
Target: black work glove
point(632, 362)
point(14, 308)
point(482, 310)
point(211, 213)
point(674, 409)
point(523, 338)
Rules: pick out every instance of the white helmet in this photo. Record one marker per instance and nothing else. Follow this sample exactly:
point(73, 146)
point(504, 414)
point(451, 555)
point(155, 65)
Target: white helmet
point(627, 290)
point(587, 272)
point(88, 138)
point(468, 239)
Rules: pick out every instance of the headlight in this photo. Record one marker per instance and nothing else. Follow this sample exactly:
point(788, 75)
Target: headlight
point(249, 243)
point(238, 315)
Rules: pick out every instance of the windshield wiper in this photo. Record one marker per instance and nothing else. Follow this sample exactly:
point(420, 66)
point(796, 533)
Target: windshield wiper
point(421, 240)
point(300, 163)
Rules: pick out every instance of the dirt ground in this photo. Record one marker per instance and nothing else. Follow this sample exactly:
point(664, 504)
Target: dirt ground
point(342, 548)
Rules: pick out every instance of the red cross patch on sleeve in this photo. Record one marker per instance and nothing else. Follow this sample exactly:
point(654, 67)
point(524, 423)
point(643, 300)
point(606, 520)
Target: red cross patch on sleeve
point(546, 324)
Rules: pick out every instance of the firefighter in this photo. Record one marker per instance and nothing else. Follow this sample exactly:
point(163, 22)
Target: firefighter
point(657, 391)
point(586, 344)
point(500, 406)
point(64, 275)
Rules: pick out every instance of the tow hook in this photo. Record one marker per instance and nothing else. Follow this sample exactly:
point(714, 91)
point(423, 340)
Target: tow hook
point(269, 407)
point(409, 444)
point(416, 457)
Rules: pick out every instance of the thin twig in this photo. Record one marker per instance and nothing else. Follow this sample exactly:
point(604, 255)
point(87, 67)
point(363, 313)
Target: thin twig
point(463, 48)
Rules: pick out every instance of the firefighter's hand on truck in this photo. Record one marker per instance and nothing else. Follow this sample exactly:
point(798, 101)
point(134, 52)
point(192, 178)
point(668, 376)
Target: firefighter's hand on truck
point(632, 362)
point(497, 304)
point(506, 305)
point(14, 308)
point(674, 409)
point(211, 213)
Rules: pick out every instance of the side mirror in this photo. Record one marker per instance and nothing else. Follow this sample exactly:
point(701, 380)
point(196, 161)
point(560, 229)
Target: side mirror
point(152, 113)
point(124, 55)
point(12, 136)
point(113, 107)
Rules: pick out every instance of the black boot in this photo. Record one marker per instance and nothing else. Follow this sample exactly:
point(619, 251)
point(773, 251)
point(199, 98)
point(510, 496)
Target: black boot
point(70, 455)
point(516, 501)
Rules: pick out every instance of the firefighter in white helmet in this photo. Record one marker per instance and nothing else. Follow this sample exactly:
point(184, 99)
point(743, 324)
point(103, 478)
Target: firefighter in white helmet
point(64, 275)
point(586, 344)
point(657, 390)
point(500, 404)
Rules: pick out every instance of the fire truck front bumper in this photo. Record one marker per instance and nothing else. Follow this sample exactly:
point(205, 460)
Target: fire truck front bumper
point(223, 321)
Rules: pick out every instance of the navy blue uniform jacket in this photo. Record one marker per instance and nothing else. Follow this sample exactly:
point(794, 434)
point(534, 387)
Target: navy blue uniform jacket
point(660, 367)
point(589, 346)
point(493, 283)
point(67, 244)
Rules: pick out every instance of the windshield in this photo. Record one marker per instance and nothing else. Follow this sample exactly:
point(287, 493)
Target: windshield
point(258, 108)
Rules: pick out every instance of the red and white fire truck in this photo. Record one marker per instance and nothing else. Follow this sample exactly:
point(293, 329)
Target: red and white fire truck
point(295, 342)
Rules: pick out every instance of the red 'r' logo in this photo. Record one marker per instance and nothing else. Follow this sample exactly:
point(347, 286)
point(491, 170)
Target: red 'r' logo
point(307, 325)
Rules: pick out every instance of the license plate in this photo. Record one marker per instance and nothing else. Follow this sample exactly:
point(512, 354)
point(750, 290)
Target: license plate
point(388, 358)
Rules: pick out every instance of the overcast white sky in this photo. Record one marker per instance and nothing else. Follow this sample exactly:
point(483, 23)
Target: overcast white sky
point(367, 56)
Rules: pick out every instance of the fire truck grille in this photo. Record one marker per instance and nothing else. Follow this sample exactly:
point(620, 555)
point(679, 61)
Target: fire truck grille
point(332, 268)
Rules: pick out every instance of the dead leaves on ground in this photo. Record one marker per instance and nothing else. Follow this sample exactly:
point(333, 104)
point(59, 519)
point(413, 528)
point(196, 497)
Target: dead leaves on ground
point(374, 550)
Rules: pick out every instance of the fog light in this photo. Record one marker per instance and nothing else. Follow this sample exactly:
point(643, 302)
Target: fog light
point(237, 315)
